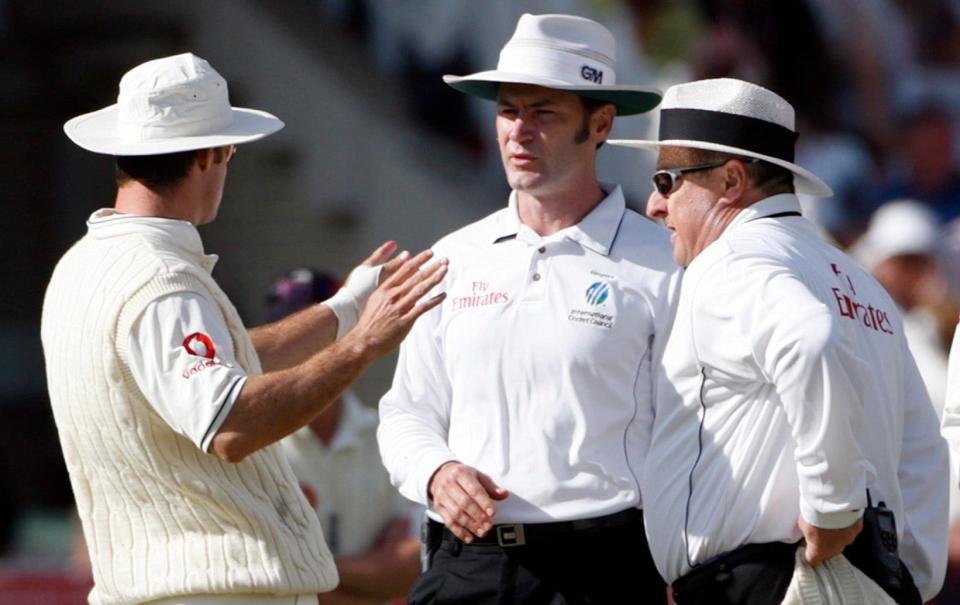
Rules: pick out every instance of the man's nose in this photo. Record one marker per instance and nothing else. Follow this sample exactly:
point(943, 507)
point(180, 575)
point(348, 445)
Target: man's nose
point(521, 129)
point(656, 205)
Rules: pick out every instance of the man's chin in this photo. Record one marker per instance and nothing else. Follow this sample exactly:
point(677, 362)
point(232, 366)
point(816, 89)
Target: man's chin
point(527, 182)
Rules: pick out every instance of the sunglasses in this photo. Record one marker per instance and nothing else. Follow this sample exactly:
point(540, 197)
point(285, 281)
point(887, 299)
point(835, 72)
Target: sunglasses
point(667, 180)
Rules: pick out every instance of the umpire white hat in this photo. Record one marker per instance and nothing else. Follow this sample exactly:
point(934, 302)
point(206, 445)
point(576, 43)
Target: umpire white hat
point(563, 52)
point(732, 116)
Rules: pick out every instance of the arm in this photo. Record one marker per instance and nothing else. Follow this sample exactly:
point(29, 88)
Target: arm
point(414, 418)
point(294, 339)
point(273, 405)
point(800, 350)
point(803, 358)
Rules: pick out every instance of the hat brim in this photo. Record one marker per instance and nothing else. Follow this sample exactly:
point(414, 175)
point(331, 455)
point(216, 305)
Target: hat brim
point(629, 100)
point(804, 181)
point(97, 132)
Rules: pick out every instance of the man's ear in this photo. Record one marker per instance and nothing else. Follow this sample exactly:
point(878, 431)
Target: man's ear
point(601, 122)
point(203, 159)
point(736, 182)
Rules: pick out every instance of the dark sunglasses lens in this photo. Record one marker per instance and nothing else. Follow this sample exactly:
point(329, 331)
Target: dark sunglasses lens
point(663, 181)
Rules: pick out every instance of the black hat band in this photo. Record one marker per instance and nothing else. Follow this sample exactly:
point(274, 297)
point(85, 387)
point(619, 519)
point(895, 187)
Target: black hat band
point(750, 134)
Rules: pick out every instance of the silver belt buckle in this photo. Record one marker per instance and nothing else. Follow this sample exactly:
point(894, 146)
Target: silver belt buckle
point(510, 535)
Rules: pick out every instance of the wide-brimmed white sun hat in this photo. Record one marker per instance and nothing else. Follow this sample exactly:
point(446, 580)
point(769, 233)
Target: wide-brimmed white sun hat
point(177, 103)
point(563, 52)
point(732, 116)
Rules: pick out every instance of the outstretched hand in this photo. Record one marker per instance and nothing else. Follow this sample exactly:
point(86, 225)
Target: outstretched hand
point(393, 307)
point(381, 256)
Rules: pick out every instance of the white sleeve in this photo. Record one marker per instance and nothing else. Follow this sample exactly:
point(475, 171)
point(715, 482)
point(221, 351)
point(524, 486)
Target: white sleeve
point(924, 477)
point(795, 342)
point(415, 412)
point(181, 356)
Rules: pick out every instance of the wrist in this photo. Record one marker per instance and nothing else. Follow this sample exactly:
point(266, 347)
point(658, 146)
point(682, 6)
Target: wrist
point(345, 308)
point(347, 303)
point(357, 347)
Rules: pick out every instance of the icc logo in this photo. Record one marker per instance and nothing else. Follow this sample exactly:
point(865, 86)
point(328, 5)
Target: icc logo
point(589, 73)
point(597, 293)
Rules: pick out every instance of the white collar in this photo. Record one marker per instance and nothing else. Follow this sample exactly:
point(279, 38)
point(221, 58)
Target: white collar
point(109, 222)
point(596, 231)
point(775, 204)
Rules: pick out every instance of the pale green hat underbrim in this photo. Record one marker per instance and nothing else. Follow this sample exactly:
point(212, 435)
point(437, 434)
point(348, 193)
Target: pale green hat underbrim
point(629, 100)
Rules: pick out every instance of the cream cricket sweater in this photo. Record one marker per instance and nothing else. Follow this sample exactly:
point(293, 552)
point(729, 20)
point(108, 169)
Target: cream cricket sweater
point(161, 517)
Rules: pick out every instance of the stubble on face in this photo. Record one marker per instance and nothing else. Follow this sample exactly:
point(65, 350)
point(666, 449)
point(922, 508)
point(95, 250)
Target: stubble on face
point(540, 132)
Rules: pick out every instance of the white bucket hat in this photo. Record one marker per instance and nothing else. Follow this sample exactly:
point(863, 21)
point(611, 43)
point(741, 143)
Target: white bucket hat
point(172, 104)
point(732, 116)
point(562, 52)
point(899, 227)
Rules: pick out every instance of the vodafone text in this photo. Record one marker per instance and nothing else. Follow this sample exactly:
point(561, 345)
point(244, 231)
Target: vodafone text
point(200, 366)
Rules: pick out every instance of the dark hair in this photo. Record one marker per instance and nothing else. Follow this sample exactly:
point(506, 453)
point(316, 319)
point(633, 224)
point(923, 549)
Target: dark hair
point(590, 105)
point(157, 172)
point(770, 178)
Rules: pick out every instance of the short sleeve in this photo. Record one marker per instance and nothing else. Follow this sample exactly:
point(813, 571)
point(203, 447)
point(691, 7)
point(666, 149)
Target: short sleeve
point(182, 357)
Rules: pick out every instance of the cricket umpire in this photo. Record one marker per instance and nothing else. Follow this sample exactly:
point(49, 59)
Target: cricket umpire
point(521, 409)
point(788, 390)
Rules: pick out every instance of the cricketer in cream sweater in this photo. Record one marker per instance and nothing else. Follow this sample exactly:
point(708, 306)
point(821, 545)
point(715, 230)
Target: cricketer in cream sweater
point(167, 407)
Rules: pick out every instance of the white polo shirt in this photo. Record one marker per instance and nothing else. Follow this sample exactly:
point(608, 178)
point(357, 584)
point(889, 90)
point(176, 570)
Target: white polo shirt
point(788, 388)
point(179, 349)
point(536, 369)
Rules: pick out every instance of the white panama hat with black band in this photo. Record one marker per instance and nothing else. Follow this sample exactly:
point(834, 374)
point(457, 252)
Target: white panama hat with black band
point(167, 105)
point(732, 116)
point(562, 52)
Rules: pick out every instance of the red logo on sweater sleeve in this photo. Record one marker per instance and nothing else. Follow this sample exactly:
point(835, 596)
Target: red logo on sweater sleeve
point(200, 345)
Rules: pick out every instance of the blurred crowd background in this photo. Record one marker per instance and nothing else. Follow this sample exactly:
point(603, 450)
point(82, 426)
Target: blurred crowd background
point(377, 147)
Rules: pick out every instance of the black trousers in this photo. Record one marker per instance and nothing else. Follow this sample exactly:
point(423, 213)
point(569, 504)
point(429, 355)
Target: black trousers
point(589, 566)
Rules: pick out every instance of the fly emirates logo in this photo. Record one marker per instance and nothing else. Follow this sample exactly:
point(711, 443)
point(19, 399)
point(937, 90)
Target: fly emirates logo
point(867, 314)
point(480, 296)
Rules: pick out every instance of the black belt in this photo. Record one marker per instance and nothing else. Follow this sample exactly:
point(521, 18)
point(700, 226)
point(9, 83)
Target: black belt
point(519, 534)
point(703, 583)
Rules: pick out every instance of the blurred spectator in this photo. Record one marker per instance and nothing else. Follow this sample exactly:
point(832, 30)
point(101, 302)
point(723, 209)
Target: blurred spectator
point(370, 529)
point(926, 169)
point(902, 249)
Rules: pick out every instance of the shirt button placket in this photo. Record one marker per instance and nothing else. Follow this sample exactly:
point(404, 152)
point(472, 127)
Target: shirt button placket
point(535, 286)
